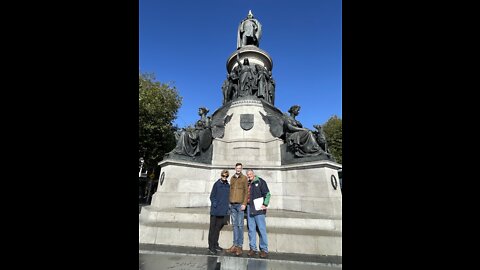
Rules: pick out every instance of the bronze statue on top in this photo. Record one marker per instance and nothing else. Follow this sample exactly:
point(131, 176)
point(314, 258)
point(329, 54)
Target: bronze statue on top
point(249, 31)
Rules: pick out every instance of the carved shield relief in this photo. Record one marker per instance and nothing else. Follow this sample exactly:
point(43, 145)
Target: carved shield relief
point(246, 121)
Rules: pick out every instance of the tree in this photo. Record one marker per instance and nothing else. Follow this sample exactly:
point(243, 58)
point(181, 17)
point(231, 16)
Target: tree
point(333, 134)
point(158, 107)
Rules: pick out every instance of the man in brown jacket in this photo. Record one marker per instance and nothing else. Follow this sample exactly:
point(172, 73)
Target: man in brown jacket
point(238, 203)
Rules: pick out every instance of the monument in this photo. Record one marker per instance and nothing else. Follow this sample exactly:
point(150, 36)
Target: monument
point(248, 128)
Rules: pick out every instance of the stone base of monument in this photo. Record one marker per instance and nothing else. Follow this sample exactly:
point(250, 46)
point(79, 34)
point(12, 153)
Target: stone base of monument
point(311, 187)
point(304, 216)
point(288, 231)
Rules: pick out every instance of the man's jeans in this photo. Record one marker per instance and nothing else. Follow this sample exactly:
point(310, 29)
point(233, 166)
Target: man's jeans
point(253, 222)
point(237, 222)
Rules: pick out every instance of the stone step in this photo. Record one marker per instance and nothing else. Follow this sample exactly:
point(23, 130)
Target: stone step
point(285, 240)
point(300, 203)
point(167, 256)
point(275, 218)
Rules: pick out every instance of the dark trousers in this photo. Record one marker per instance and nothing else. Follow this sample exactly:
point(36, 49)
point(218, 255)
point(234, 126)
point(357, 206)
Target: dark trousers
point(216, 224)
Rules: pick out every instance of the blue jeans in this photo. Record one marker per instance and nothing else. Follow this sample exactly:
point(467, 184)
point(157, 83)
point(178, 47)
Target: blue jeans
point(253, 222)
point(237, 222)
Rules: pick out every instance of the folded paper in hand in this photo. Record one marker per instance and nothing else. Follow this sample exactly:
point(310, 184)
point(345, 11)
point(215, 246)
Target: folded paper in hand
point(258, 203)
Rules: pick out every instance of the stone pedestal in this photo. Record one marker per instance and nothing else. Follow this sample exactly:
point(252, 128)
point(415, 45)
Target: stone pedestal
point(302, 186)
point(306, 202)
point(179, 212)
point(311, 187)
point(253, 146)
point(255, 55)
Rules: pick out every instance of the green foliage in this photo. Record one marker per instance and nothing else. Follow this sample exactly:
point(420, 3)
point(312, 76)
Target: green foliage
point(158, 107)
point(333, 134)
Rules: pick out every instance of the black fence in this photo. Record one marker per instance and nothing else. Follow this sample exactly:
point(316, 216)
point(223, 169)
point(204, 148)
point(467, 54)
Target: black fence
point(146, 188)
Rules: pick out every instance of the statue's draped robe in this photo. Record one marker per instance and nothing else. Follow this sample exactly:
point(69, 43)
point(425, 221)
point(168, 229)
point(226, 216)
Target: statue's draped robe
point(302, 142)
point(188, 143)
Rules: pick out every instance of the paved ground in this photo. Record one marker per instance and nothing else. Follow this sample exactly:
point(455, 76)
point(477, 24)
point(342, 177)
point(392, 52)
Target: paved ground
point(204, 262)
point(155, 257)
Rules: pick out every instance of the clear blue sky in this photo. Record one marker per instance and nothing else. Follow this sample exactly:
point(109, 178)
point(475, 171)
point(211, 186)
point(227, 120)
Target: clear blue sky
point(188, 42)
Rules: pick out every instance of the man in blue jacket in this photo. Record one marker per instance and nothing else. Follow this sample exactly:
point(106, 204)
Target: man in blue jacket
point(219, 197)
point(258, 189)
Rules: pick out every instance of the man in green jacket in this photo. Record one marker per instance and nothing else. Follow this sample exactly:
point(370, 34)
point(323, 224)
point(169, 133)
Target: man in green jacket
point(257, 203)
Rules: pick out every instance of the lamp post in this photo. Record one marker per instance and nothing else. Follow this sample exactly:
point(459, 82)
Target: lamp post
point(141, 167)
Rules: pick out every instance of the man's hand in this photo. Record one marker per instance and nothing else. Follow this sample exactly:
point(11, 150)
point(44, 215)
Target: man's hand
point(242, 207)
point(263, 207)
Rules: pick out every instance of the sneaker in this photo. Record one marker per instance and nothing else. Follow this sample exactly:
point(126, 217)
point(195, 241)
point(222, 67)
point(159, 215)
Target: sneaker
point(251, 252)
point(219, 249)
point(212, 251)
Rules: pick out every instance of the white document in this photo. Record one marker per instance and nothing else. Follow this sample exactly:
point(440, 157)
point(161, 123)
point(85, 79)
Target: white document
point(258, 203)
